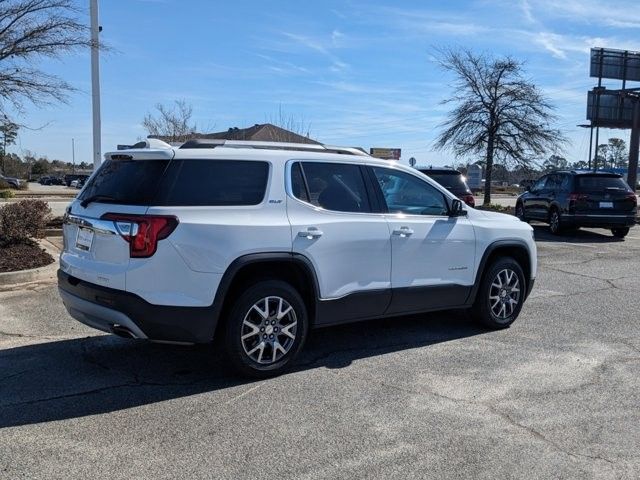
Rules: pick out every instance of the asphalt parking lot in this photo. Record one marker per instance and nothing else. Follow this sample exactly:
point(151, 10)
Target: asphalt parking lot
point(431, 396)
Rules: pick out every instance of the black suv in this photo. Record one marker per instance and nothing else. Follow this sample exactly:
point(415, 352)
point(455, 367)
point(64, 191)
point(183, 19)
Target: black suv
point(574, 199)
point(453, 181)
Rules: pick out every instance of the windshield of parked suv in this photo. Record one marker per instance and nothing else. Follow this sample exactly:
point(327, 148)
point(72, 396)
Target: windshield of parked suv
point(589, 183)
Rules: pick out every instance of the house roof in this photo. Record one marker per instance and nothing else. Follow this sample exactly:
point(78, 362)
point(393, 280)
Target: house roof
point(265, 132)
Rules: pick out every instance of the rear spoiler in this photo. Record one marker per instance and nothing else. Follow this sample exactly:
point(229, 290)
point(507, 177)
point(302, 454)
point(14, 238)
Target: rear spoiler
point(148, 149)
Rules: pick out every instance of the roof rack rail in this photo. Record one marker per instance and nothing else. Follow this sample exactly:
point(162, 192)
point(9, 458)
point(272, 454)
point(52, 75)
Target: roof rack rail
point(305, 147)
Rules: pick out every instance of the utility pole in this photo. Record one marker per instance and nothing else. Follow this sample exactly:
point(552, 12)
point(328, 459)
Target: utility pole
point(95, 83)
point(73, 155)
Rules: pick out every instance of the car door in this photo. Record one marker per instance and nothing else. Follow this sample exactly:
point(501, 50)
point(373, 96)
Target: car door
point(432, 253)
point(534, 200)
point(333, 225)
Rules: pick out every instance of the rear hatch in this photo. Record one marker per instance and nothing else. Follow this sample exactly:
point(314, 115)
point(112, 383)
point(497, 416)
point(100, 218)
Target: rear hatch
point(602, 194)
point(96, 248)
point(454, 182)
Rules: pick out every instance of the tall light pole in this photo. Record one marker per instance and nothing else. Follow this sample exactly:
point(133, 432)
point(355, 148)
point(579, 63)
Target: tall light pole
point(95, 83)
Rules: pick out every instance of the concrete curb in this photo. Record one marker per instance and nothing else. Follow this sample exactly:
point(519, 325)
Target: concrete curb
point(41, 274)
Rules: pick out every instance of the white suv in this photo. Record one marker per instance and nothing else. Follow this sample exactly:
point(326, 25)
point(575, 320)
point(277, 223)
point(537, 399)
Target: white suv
point(257, 243)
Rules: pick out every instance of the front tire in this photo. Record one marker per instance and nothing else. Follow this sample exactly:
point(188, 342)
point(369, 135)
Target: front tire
point(620, 232)
point(520, 212)
point(501, 294)
point(266, 329)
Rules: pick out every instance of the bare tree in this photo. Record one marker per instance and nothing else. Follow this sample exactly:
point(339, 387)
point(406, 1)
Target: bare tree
point(172, 123)
point(497, 112)
point(29, 31)
point(293, 123)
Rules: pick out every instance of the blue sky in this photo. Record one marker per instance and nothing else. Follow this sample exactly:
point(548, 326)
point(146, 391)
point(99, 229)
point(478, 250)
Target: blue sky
point(357, 73)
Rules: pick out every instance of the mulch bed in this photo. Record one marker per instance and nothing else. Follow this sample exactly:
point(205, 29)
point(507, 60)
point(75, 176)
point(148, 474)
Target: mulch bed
point(23, 257)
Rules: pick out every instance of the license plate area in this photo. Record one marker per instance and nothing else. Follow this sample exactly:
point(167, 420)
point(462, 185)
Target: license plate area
point(84, 239)
point(606, 204)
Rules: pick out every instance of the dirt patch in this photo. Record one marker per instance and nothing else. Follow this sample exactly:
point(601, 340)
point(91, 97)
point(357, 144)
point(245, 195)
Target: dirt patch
point(23, 256)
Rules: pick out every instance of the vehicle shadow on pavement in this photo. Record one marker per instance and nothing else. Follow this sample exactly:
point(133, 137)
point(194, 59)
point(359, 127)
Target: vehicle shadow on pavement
point(543, 234)
point(95, 375)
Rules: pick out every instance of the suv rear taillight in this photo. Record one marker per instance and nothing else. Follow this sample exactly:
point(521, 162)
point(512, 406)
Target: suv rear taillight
point(469, 200)
point(632, 196)
point(142, 231)
point(574, 197)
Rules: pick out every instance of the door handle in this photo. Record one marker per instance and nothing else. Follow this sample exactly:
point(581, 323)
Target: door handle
point(403, 232)
point(310, 233)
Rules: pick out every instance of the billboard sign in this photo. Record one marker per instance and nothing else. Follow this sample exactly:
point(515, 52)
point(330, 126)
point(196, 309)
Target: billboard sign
point(615, 64)
point(386, 153)
point(610, 109)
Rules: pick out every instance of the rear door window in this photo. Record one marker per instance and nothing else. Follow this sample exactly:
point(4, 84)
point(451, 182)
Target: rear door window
point(333, 186)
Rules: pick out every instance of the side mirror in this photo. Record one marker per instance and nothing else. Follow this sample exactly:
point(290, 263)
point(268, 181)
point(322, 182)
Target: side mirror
point(457, 209)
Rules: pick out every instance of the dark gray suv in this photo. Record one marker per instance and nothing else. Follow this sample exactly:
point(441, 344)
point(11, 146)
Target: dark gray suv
point(574, 199)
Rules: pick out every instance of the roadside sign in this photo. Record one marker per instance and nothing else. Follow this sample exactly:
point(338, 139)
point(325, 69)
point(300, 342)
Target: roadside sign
point(386, 153)
point(412, 161)
point(615, 64)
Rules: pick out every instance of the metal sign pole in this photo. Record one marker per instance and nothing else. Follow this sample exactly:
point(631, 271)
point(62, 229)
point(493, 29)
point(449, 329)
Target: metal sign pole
point(634, 146)
point(95, 83)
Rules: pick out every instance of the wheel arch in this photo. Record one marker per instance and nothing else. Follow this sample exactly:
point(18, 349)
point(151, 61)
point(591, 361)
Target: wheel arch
point(249, 269)
point(517, 249)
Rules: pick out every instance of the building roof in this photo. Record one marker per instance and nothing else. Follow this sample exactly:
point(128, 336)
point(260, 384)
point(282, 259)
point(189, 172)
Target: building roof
point(265, 132)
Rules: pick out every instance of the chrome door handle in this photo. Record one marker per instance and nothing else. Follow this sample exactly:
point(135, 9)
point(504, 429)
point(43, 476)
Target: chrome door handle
point(403, 232)
point(310, 233)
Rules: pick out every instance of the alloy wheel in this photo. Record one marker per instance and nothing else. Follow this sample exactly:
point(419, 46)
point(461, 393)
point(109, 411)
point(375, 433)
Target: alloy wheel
point(504, 294)
point(554, 222)
point(269, 330)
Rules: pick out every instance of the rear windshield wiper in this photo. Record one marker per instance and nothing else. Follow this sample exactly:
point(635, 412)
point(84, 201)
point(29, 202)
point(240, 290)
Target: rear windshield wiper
point(95, 198)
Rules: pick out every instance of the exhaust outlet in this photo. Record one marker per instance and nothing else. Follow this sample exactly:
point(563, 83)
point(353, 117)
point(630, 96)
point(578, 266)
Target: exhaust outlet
point(121, 331)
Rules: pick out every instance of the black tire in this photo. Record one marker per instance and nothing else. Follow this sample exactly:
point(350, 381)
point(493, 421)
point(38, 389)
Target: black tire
point(555, 221)
point(520, 212)
point(482, 310)
point(620, 232)
point(243, 308)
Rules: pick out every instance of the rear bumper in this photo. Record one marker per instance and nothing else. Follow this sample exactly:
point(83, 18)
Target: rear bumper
point(109, 310)
point(600, 221)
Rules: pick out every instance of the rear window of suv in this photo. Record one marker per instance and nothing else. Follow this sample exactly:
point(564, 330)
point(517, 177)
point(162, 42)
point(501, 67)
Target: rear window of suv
point(180, 182)
point(453, 181)
point(591, 183)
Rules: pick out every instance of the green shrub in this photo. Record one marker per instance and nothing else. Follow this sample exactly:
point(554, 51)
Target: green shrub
point(6, 194)
point(4, 185)
point(23, 220)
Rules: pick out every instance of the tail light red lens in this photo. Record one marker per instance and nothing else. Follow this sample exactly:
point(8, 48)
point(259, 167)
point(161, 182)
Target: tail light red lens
point(632, 196)
point(574, 197)
point(143, 232)
point(469, 200)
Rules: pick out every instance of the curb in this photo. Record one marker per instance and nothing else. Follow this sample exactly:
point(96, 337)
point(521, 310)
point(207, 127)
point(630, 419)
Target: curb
point(40, 274)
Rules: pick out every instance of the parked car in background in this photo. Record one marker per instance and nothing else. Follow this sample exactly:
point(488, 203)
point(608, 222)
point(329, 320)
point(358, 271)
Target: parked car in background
point(12, 181)
point(70, 177)
point(574, 199)
point(51, 180)
point(259, 245)
point(453, 181)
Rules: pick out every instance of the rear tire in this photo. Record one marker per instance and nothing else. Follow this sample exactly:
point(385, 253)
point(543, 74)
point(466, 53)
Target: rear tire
point(266, 329)
point(555, 222)
point(620, 232)
point(501, 294)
